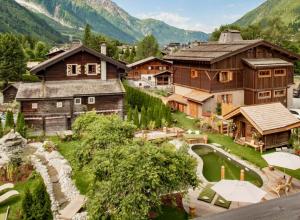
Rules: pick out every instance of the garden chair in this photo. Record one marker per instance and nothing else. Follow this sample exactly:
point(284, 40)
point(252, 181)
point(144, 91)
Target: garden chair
point(288, 184)
point(6, 186)
point(8, 195)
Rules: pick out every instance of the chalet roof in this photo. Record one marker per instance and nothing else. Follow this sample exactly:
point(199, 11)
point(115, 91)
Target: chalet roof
point(15, 85)
point(148, 59)
point(214, 51)
point(163, 72)
point(198, 96)
point(267, 118)
point(71, 52)
point(177, 98)
point(68, 89)
point(267, 62)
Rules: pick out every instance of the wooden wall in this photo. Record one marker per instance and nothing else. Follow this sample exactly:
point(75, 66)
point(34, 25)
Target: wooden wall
point(136, 72)
point(58, 71)
point(9, 95)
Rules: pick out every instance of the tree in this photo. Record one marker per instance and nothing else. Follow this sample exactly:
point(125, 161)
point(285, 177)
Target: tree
point(9, 121)
point(87, 35)
point(12, 58)
point(148, 47)
point(157, 114)
point(40, 51)
point(129, 114)
point(219, 108)
point(1, 129)
point(142, 172)
point(144, 121)
point(127, 54)
point(27, 205)
point(136, 119)
point(21, 127)
point(41, 203)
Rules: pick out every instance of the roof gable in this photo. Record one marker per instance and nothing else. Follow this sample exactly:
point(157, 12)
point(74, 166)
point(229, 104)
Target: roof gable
point(146, 60)
point(72, 52)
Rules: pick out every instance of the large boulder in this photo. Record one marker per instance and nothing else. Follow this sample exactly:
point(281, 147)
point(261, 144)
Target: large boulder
point(11, 147)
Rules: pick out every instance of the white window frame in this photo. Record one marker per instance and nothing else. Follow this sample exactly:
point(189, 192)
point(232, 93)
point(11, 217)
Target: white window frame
point(280, 74)
point(262, 75)
point(34, 105)
point(280, 90)
point(93, 100)
point(265, 97)
point(71, 74)
point(91, 64)
point(77, 103)
point(59, 104)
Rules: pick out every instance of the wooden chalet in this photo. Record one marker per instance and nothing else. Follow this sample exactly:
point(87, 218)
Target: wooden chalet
point(72, 82)
point(233, 72)
point(263, 126)
point(150, 72)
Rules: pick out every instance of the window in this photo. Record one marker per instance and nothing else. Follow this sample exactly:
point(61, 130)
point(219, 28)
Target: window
point(225, 99)
point(91, 100)
point(149, 78)
point(72, 69)
point(91, 69)
point(280, 72)
point(225, 76)
point(279, 93)
point(34, 105)
point(59, 104)
point(194, 73)
point(264, 95)
point(264, 73)
point(77, 101)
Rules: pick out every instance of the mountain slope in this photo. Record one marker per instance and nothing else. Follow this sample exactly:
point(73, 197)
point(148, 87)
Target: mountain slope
point(109, 19)
point(17, 19)
point(287, 10)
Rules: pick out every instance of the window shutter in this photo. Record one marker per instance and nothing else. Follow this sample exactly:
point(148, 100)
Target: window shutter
point(230, 76)
point(78, 69)
point(220, 77)
point(98, 69)
point(86, 69)
point(69, 69)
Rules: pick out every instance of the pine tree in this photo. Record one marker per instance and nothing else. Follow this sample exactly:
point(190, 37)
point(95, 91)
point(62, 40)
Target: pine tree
point(127, 54)
point(147, 47)
point(136, 120)
point(21, 127)
point(41, 203)
point(129, 114)
point(27, 206)
point(157, 116)
point(144, 122)
point(9, 121)
point(87, 35)
point(149, 114)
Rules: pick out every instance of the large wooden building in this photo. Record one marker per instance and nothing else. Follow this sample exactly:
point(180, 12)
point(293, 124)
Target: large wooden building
point(233, 72)
point(150, 72)
point(72, 83)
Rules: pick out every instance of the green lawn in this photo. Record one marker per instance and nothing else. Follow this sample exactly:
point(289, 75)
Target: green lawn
point(16, 202)
point(184, 122)
point(82, 178)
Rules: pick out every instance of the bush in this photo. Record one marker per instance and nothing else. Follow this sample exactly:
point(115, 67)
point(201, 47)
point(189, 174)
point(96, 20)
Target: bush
point(21, 127)
point(30, 78)
point(219, 108)
point(9, 121)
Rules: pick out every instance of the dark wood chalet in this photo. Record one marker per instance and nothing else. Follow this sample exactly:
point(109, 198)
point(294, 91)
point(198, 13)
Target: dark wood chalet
point(263, 126)
point(150, 72)
point(233, 72)
point(72, 83)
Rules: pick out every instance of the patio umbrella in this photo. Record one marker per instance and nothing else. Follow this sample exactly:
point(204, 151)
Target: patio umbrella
point(283, 159)
point(239, 191)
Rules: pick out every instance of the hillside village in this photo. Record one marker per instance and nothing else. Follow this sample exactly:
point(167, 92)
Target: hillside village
point(100, 126)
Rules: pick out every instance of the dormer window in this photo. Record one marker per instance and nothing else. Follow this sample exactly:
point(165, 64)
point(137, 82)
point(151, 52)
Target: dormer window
point(73, 69)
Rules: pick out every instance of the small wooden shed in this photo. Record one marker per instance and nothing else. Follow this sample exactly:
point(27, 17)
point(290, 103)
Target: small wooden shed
point(10, 92)
point(266, 125)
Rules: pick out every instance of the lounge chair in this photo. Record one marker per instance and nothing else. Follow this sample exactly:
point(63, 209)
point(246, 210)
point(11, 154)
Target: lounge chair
point(288, 184)
point(277, 189)
point(221, 202)
point(8, 195)
point(6, 186)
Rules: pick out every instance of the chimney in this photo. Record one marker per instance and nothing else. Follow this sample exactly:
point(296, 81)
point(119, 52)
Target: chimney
point(103, 63)
point(230, 36)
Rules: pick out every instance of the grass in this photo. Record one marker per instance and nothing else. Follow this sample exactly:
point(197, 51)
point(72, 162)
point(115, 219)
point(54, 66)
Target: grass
point(82, 177)
point(221, 202)
point(207, 192)
point(183, 122)
point(172, 213)
point(16, 202)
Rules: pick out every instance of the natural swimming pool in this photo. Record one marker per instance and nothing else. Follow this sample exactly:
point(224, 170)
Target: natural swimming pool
point(212, 162)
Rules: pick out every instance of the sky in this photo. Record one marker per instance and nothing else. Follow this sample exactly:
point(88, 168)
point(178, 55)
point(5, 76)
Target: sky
point(200, 15)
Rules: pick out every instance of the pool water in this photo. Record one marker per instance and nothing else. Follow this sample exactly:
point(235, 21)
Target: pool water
point(212, 162)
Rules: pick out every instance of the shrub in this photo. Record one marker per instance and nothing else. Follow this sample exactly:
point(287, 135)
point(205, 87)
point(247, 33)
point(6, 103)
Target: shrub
point(21, 127)
point(30, 78)
point(219, 108)
point(1, 129)
point(9, 121)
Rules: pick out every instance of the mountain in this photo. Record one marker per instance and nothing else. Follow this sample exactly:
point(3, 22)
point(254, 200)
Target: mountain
point(107, 18)
point(17, 19)
point(287, 10)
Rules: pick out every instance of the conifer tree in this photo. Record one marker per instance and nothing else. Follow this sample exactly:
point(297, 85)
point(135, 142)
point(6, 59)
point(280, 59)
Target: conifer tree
point(144, 122)
point(87, 35)
point(157, 116)
point(41, 203)
point(21, 127)
point(9, 121)
point(1, 129)
point(129, 114)
point(27, 205)
point(136, 120)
